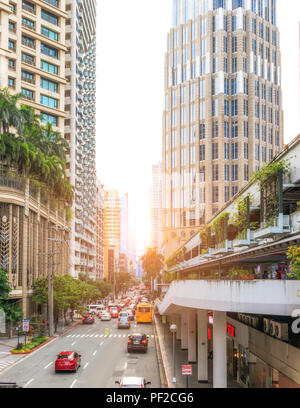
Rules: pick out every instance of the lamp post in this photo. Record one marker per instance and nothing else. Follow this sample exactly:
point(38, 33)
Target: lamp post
point(173, 329)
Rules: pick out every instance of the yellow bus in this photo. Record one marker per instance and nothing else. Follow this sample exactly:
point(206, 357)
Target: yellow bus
point(144, 313)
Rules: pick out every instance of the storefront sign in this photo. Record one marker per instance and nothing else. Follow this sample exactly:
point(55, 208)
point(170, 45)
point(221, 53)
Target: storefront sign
point(164, 319)
point(186, 370)
point(230, 330)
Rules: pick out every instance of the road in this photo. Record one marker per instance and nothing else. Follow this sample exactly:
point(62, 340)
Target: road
point(104, 359)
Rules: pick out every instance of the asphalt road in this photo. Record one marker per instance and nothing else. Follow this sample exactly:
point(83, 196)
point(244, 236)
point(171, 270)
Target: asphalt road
point(104, 359)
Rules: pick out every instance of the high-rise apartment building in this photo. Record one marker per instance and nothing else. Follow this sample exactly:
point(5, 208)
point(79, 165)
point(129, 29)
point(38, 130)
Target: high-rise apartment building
point(223, 110)
point(80, 131)
point(100, 232)
point(34, 42)
point(156, 206)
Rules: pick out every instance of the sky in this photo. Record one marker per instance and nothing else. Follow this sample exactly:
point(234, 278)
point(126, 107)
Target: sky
point(130, 95)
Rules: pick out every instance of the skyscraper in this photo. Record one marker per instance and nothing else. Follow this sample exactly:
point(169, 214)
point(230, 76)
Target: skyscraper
point(223, 115)
point(80, 131)
point(156, 206)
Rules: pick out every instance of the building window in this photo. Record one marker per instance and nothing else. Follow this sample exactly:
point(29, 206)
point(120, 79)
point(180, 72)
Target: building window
point(50, 51)
point(53, 35)
point(226, 172)
point(215, 194)
point(51, 68)
point(51, 18)
point(48, 101)
point(215, 151)
point(234, 151)
point(11, 82)
point(234, 172)
point(202, 131)
point(215, 129)
point(202, 153)
point(28, 94)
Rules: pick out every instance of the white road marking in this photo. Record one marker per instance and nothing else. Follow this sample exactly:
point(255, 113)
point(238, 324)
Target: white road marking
point(73, 335)
point(152, 336)
point(115, 335)
point(91, 335)
point(28, 382)
point(69, 335)
point(101, 335)
point(95, 352)
point(78, 335)
point(101, 343)
point(48, 365)
point(86, 364)
point(110, 336)
point(97, 335)
point(124, 335)
point(73, 343)
point(73, 383)
point(120, 335)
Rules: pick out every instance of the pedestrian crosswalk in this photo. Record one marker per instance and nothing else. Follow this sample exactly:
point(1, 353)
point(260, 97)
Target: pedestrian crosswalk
point(6, 360)
point(91, 336)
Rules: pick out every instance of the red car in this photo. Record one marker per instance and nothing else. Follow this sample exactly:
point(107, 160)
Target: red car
point(114, 312)
point(68, 361)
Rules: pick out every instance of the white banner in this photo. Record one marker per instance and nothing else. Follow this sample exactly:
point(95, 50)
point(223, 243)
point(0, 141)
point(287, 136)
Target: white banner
point(2, 322)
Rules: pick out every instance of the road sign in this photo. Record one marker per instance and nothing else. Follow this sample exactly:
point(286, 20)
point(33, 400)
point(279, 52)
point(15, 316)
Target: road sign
point(106, 332)
point(186, 370)
point(164, 319)
point(26, 325)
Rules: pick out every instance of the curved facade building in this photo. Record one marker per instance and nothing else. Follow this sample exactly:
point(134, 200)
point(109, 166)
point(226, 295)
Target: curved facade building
point(81, 132)
point(223, 112)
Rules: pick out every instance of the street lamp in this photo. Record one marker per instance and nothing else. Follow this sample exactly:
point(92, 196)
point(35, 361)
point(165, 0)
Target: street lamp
point(173, 329)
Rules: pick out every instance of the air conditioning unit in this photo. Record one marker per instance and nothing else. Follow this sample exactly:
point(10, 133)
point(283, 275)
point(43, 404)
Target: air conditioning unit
point(282, 331)
point(272, 328)
point(254, 322)
point(267, 326)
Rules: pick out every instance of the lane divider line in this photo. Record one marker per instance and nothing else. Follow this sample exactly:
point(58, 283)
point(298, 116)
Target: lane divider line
point(95, 352)
point(86, 364)
point(73, 383)
point(28, 382)
point(48, 365)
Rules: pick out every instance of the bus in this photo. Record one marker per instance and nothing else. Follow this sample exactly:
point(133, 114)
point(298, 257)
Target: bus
point(144, 313)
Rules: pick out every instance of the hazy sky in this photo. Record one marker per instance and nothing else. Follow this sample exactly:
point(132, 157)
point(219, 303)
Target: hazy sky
point(130, 93)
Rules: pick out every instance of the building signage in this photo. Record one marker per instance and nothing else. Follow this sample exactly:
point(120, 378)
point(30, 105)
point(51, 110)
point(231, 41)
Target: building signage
point(26, 326)
point(164, 319)
point(186, 370)
point(230, 330)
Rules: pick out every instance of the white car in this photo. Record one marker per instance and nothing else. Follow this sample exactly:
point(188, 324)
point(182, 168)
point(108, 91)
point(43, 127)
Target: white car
point(105, 317)
point(123, 314)
point(132, 382)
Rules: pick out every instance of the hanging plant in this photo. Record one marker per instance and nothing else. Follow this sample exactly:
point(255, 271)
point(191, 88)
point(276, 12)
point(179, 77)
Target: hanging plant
point(218, 227)
point(271, 170)
point(293, 255)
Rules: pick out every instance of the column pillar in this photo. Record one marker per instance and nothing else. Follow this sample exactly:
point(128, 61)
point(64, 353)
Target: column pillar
point(202, 346)
point(192, 327)
point(219, 351)
point(178, 332)
point(24, 270)
point(184, 330)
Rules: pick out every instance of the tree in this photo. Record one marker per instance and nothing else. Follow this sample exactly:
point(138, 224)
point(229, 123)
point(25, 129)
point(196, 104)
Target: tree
point(5, 289)
point(12, 311)
point(152, 263)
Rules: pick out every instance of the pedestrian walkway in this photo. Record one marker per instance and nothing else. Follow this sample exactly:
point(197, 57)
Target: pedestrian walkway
point(7, 359)
point(102, 335)
point(181, 358)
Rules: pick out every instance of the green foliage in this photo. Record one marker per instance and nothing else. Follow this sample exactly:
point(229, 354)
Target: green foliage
point(176, 258)
point(271, 170)
point(152, 263)
point(218, 227)
point(238, 272)
point(293, 255)
point(34, 151)
point(37, 341)
point(298, 205)
point(5, 289)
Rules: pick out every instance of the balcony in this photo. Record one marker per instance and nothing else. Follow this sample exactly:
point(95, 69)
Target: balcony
point(28, 44)
point(295, 221)
point(29, 9)
point(29, 80)
point(30, 27)
point(281, 226)
point(244, 239)
point(225, 247)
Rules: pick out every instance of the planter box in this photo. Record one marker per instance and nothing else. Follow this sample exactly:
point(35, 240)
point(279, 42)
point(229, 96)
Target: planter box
point(271, 231)
point(31, 351)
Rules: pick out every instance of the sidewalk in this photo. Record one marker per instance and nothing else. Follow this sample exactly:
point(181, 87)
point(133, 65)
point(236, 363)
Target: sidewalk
point(7, 344)
point(181, 358)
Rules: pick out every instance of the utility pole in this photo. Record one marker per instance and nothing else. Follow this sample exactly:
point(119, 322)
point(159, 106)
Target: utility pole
point(51, 275)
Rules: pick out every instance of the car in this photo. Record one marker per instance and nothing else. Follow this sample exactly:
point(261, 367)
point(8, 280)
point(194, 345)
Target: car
point(133, 382)
point(137, 342)
point(123, 323)
point(123, 314)
point(105, 317)
point(114, 312)
point(68, 361)
point(130, 314)
point(88, 319)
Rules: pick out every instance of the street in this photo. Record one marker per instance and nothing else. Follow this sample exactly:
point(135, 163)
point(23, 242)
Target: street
point(104, 359)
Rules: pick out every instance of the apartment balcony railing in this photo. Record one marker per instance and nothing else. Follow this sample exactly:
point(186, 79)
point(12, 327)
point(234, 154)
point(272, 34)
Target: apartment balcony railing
point(281, 226)
point(28, 97)
point(28, 61)
point(54, 3)
point(30, 27)
point(29, 9)
point(29, 80)
point(28, 44)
